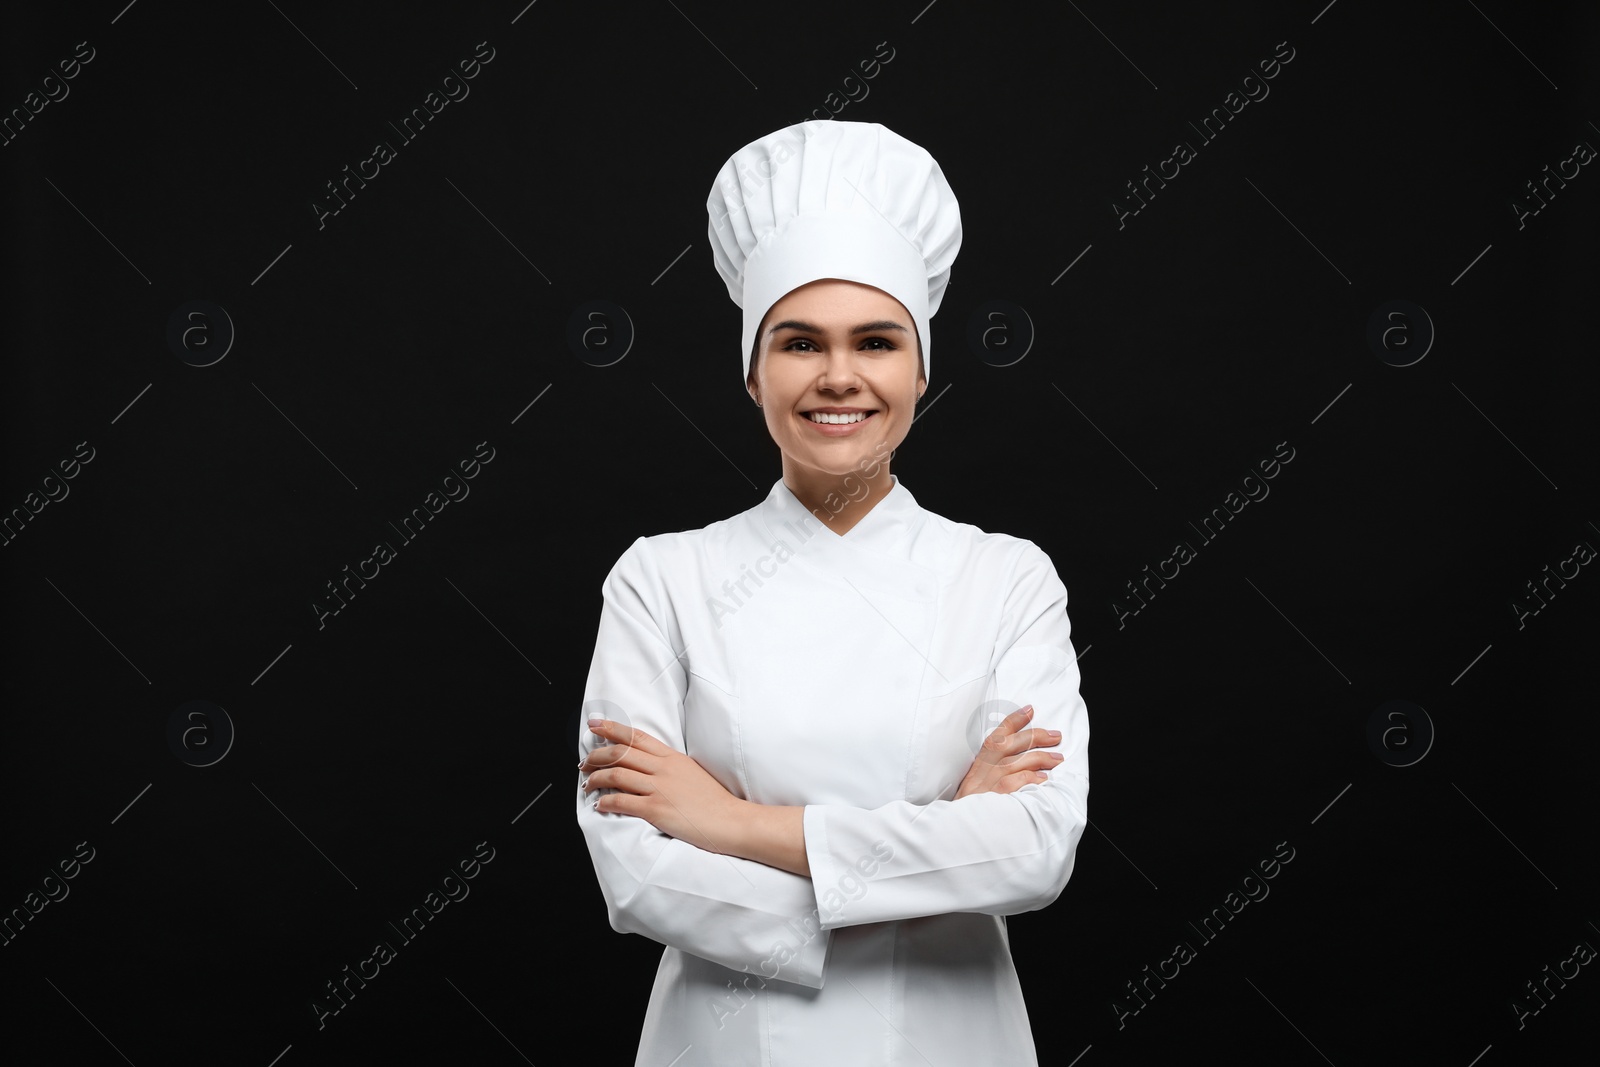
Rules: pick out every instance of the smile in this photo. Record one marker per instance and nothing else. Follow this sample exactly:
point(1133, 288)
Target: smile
point(844, 426)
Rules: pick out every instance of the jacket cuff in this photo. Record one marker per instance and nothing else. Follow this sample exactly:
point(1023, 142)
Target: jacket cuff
point(838, 880)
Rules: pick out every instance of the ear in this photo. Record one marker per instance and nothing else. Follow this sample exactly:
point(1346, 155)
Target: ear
point(752, 380)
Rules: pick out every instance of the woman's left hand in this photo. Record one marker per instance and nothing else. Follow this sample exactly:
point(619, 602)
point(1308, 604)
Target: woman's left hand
point(662, 786)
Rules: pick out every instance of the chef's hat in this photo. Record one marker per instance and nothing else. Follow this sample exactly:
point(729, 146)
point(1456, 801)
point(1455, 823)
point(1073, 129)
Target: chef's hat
point(833, 199)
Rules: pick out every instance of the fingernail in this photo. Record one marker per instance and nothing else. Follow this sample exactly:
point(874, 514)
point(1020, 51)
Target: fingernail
point(1058, 757)
point(1054, 735)
point(597, 722)
point(1041, 775)
point(1027, 707)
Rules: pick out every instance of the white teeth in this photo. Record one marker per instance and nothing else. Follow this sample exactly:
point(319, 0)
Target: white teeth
point(819, 416)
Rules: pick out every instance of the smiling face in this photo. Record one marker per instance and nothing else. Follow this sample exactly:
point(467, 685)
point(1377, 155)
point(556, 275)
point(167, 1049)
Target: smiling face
point(846, 352)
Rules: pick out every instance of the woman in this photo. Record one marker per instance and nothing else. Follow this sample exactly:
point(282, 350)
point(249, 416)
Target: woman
point(793, 776)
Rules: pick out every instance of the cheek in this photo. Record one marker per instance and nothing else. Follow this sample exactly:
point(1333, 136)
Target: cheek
point(781, 424)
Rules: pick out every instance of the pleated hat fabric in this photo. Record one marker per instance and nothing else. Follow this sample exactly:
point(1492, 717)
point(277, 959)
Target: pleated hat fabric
point(832, 199)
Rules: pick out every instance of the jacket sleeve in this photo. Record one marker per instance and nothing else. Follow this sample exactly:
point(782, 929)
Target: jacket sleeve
point(732, 911)
point(992, 853)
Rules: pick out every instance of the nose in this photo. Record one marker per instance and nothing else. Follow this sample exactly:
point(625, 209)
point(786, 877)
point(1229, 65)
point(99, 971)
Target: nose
point(839, 372)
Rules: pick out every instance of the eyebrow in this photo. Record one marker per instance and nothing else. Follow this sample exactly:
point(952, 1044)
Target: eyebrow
point(865, 327)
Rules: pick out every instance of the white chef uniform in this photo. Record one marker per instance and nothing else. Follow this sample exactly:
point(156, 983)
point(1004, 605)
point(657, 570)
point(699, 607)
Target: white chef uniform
point(853, 675)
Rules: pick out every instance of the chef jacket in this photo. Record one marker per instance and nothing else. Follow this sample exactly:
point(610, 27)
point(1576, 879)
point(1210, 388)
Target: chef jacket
point(855, 675)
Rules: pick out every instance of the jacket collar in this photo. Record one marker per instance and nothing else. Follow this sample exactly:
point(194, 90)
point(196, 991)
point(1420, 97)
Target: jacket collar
point(886, 528)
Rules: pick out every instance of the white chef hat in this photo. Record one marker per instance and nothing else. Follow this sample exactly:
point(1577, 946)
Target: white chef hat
point(833, 199)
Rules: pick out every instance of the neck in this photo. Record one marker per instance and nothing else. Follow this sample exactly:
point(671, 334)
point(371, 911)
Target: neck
point(839, 501)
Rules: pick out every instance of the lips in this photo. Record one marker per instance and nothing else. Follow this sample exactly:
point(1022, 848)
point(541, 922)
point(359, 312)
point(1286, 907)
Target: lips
point(838, 429)
point(838, 418)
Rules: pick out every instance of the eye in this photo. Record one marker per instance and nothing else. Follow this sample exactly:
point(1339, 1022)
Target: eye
point(871, 344)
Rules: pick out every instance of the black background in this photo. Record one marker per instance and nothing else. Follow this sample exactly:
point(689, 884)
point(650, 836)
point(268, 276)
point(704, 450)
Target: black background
point(375, 351)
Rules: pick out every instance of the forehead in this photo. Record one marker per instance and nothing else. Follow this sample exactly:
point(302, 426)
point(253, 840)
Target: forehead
point(841, 302)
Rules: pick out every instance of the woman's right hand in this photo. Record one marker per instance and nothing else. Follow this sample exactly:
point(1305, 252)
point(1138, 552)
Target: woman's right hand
point(1011, 757)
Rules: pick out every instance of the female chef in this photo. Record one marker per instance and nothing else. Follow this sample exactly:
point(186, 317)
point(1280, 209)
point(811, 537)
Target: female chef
point(832, 741)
